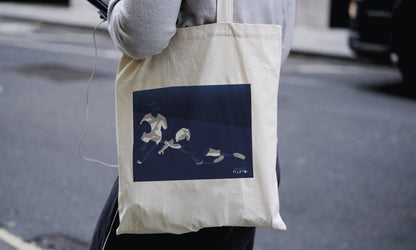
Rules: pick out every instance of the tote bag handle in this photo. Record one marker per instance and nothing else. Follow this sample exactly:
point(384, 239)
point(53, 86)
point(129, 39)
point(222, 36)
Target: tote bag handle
point(225, 11)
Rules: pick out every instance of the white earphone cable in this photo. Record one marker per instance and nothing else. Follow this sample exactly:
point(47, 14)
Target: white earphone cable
point(87, 105)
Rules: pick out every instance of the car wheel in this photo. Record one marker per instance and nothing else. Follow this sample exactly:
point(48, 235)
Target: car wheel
point(403, 39)
point(406, 67)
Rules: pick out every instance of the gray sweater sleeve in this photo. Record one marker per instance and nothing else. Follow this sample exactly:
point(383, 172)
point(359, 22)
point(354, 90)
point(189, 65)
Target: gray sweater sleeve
point(142, 28)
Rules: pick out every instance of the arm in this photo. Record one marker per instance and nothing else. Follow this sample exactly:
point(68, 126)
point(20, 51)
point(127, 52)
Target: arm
point(142, 28)
point(288, 27)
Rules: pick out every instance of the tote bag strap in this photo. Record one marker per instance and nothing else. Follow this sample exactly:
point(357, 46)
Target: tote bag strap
point(224, 11)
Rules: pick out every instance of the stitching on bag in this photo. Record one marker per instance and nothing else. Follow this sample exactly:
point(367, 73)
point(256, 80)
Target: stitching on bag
point(208, 31)
point(213, 35)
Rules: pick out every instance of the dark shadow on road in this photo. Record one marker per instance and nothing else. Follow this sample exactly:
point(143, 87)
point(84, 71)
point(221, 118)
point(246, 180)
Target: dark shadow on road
point(399, 89)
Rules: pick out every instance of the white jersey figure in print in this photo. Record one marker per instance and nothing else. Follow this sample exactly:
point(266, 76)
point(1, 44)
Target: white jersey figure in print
point(152, 138)
point(156, 125)
point(209, 156)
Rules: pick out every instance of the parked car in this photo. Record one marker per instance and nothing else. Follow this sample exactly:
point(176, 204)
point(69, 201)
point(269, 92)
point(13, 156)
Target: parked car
point(383, 30)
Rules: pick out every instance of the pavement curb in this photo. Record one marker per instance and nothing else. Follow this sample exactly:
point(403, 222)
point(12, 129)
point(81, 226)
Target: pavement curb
point(101, 28)
point(79, 13)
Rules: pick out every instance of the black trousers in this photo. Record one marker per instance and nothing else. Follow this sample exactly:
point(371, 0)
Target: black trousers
point(218, 238)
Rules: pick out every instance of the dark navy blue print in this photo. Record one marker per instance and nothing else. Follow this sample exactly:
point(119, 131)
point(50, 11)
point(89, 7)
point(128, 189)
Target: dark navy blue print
point(192, 132)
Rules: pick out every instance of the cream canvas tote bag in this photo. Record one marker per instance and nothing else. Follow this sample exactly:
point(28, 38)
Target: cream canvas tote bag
point(197, 130)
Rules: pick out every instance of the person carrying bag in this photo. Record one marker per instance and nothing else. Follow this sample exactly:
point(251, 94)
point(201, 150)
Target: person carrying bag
point(197, 132)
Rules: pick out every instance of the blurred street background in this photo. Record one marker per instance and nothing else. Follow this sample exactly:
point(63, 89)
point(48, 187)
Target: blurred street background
point(347, 135)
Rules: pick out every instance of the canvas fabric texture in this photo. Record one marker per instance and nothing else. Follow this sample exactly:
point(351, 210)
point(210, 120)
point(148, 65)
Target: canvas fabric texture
point(197, 130)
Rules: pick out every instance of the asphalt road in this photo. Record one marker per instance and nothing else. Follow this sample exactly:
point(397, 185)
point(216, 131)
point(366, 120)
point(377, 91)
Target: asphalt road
point(347, 142)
